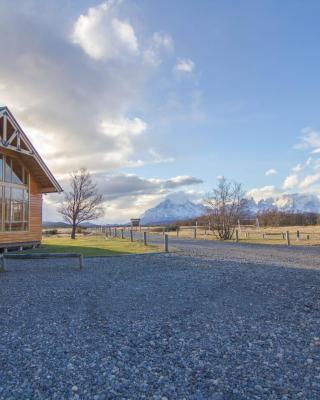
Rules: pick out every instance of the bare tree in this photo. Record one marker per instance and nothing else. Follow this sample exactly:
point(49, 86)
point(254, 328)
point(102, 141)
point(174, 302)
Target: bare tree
point(83, 202)
point(226, 206)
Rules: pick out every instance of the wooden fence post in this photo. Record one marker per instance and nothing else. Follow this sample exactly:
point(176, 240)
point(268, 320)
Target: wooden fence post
point(298, 235)
point(145, 238)
point(131, 235)
point(81, 261)
point(163, 230)
point(3, 263)
point(122, 234)
point(195, 233)
point(237, 235)
point(166, 243)
point(288, 238)
point(115, 232)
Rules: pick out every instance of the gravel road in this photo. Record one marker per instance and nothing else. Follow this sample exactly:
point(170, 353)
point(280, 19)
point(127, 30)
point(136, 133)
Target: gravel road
point(216, 322)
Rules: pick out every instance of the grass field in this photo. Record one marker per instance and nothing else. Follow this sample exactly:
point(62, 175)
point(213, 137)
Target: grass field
point(95, 245)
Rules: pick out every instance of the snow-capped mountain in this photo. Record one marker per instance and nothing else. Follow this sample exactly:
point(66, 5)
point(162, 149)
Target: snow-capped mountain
point(175, 207)
point(290, 203)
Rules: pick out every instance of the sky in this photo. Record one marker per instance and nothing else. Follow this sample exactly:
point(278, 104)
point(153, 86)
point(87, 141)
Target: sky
point(155, 97)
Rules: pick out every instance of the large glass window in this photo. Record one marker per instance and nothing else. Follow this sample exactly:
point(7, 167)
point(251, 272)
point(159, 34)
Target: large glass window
point(7, 169)
point(17, 171)
point(14, 195)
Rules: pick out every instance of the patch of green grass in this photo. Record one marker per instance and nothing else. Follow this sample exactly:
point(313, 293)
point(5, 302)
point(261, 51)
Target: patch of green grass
point(92, 246)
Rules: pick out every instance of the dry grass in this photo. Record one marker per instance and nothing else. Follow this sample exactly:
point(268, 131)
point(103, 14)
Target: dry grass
point(309, 235)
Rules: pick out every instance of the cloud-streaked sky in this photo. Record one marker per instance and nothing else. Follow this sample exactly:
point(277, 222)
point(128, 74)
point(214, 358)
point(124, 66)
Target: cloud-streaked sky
point(161, 96)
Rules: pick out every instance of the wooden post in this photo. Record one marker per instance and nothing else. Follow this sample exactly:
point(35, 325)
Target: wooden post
point(115, 232)
point(195, 233)
point(81, 261)
point(237, 236)
point(163, 230)
point(145, 238)
point(4, 128)
point(308, 237)
point(298, 235)
point(166, 243)
point(3, 263)
point(288, 238)
point(131, 235)
point(178, 231)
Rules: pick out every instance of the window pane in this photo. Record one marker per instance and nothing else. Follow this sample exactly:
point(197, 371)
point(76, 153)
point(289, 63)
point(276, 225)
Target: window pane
point(1, 167)
point(17, 172)
point(7, 208)
point(8, 169)
point(16, 205)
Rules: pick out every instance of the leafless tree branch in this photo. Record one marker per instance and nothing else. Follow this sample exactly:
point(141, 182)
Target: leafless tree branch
point(83, 202)
point(226, 206)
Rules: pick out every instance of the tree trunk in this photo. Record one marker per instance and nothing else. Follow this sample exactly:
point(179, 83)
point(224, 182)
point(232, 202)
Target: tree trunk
point(73, 232)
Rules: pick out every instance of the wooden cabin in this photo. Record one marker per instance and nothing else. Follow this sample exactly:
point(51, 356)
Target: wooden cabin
point(24, 177)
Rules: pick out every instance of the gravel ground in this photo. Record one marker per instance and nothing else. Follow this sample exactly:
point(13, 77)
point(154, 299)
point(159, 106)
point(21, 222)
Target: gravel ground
point(229, 322)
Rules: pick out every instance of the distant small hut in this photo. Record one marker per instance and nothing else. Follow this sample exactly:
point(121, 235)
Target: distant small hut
point(135, 222)
point(24, 177)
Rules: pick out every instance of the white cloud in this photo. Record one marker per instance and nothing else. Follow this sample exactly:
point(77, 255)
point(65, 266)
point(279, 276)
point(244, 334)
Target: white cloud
point(310, 140)
point(102, 35)
point(290, 182)
point(185, 65)
point(309, 181)
point(264, 192)
point(162, 40)
point(160, 43)
point(271, 171)
point(123, 127)
point(76, 110)
point(297, 168)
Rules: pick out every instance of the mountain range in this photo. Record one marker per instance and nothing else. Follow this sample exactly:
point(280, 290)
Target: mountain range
point(177, 207)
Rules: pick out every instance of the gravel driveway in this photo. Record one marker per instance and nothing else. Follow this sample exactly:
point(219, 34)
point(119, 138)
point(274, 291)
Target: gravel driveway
point(229, 322)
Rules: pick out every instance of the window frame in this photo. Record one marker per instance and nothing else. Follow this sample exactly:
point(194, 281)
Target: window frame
point(10, 185)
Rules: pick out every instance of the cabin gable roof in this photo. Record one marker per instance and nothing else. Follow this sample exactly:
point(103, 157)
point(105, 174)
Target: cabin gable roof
point(12, 137)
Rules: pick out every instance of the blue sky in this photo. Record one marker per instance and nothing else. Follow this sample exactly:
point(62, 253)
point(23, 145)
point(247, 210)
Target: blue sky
point(155, 97)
